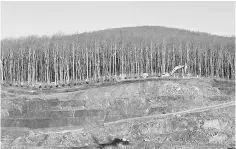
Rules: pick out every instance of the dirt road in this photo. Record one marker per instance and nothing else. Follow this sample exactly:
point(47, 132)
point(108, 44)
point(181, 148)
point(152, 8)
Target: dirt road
point(202, 109)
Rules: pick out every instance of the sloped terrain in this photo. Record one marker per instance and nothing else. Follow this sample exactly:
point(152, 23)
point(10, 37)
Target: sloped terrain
point(151, 113)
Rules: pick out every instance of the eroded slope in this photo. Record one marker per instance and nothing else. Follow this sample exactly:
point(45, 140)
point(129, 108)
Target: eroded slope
point(57, 115)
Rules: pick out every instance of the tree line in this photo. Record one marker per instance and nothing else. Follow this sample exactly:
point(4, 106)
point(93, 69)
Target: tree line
point(101, 55)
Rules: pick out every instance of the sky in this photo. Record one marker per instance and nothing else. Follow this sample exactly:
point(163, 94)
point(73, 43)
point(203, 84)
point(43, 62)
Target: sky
point(48, 18)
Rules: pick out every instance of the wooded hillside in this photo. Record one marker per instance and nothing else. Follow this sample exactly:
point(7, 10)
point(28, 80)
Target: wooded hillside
point(103, 54)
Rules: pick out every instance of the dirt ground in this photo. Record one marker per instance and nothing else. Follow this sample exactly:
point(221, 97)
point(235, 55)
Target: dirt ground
point(150, 113)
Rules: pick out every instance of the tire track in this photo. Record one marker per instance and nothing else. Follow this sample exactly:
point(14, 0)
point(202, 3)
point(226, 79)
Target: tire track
point(202, 109)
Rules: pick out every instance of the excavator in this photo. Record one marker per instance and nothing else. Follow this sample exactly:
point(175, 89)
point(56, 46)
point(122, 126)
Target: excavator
point(175, 69)
point(179, 67)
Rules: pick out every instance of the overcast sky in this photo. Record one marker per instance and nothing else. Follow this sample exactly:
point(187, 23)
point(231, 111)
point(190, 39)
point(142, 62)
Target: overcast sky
point(47, 18)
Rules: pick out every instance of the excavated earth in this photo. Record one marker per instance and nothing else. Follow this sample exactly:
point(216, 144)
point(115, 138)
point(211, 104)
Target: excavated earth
point(150, 113)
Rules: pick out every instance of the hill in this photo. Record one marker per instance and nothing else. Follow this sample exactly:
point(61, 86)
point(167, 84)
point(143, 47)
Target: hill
point(100, 55)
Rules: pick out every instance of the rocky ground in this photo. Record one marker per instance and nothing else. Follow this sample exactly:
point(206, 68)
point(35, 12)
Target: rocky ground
point(150, 113)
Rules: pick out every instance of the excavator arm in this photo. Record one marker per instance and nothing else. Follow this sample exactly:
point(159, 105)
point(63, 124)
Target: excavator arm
point(179, 67)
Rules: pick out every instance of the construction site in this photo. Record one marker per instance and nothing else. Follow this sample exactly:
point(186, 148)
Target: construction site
point(145, 112)
point(138, 87)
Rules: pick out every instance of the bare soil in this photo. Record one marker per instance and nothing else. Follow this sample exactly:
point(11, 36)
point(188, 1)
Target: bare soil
point(150, 113)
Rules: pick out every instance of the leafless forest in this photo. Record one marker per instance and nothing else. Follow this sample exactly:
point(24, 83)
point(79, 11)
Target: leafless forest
point(102, 55)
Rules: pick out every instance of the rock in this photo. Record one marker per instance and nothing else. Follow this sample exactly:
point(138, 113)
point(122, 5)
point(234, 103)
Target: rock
point(146, 140)
point(219, 138)
point(145, 75)
point(38, 138)
point(165, 75)
point(212, 124)
point(123, 76)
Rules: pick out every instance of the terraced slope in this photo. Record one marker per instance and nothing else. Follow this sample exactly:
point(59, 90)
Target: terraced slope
point(151, 113)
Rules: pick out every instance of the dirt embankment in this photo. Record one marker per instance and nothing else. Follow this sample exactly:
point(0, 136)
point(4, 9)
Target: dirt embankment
point(53, 119)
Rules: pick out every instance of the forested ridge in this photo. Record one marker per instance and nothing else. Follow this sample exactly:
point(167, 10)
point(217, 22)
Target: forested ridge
point(101, 55)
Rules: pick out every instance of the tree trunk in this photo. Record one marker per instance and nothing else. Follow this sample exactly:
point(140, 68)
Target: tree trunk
point(29, 69)
point(33, 69)
point(87, 62)
point(73, 62)
point(1, 70)
point(188, 59)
